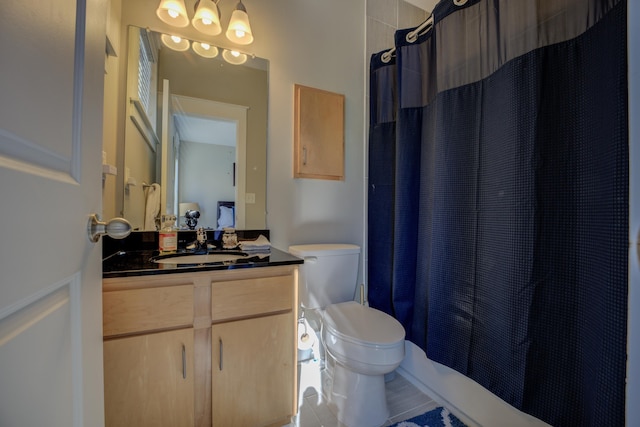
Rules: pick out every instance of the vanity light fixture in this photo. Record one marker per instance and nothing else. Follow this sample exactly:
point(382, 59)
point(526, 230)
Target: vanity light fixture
point(207, 19)
point(173, 12)
point(239, 30)
point(205, 49)
point(175, 42)
point(234, 57)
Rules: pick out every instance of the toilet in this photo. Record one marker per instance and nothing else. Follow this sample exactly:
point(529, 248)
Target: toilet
point(362, 343)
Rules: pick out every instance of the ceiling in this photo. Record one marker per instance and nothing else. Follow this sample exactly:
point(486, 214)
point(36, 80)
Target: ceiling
point(205, 130)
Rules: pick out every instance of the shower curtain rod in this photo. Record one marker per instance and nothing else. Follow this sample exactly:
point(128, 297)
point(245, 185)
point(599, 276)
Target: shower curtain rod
point(411, 37)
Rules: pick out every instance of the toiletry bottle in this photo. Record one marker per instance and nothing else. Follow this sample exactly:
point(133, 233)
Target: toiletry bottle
point(168, 235)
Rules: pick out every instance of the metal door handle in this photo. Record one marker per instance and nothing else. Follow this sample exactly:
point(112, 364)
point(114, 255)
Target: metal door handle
point(184, 362)
point(221, 351)
point(117, 228)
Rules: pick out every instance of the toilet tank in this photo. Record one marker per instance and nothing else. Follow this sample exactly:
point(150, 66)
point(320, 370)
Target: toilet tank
point(329, 274)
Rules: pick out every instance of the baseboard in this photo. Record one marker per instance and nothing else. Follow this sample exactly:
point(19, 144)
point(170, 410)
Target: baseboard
point(469, 401)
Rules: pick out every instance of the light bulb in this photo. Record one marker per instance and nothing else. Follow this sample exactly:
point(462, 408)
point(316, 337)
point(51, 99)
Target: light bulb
point(207, 18)
point(205, 49)
point(234, 57)
point(173, 12)
point(175, 42)
point(239, 29)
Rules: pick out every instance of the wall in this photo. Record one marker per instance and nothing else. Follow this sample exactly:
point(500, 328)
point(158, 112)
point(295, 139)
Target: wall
point(385, 17)
point(207, 163)
point(317, 44)
point(325, 45)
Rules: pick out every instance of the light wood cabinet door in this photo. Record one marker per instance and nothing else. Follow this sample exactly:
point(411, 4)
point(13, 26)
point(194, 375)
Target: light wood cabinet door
point(149, 380)
point(318, 149)
point(253, 372)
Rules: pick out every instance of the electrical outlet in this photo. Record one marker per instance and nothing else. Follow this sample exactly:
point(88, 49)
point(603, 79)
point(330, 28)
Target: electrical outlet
point(250, 198)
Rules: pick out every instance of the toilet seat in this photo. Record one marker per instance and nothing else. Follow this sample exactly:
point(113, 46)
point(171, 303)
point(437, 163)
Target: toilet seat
point(363, 337)
point(363, 325)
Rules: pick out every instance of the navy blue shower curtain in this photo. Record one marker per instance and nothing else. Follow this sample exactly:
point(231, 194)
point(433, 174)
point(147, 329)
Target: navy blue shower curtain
point(498, 200)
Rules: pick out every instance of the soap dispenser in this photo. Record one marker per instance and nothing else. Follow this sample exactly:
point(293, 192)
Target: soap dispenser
point(168, 235)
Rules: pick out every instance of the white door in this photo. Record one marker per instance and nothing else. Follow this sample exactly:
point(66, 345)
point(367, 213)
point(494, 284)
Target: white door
point(51, 85)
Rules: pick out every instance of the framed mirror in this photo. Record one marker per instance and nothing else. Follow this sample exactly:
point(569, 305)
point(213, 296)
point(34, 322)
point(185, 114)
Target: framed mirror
point(195, 132)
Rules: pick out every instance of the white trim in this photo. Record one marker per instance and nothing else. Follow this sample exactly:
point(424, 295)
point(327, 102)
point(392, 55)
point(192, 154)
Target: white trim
point(469, 401)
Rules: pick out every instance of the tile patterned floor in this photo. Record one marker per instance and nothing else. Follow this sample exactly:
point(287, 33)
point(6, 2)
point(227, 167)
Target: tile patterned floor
point(403, 398)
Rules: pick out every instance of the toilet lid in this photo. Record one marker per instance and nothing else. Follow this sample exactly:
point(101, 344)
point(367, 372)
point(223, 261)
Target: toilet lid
point(357, 323)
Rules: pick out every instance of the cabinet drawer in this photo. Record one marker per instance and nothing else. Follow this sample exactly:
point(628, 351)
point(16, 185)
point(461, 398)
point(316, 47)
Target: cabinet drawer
point(244, 298)
point(141, 310)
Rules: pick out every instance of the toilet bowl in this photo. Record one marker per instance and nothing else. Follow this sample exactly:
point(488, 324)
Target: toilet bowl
point(365, 344)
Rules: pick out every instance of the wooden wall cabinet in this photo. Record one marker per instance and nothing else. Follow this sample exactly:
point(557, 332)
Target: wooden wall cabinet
point(201, 349)
point(318, 150)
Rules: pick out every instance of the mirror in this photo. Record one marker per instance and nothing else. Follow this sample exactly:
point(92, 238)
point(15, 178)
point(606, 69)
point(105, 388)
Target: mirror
point(195, 133)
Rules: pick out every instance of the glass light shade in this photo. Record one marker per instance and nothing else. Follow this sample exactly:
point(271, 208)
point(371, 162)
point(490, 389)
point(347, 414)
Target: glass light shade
point(205, 50)
point(234, 57)
point(207, 18)
point(175, 42)
point(239, 30)
point(173, 12)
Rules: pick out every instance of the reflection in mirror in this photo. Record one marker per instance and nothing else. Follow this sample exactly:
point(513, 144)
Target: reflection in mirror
point(197, 127)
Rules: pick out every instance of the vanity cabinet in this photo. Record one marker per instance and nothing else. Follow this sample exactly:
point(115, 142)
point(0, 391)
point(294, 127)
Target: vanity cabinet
point(148, 354)
point(211, 348)
point(149, 379)
point(252, 347)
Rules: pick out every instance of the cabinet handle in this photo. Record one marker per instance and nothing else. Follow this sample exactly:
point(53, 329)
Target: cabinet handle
point(304, 155)
point(184, 362)
point(221, 351)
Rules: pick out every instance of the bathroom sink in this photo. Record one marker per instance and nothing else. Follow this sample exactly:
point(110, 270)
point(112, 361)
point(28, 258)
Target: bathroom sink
point(210, 258)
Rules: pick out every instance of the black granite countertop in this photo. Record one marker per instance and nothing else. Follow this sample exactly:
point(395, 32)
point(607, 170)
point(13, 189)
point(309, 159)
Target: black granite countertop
point(133, 257)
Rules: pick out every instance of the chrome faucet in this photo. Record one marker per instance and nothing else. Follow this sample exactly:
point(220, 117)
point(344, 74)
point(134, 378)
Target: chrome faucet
point(200, 244)
point(201, 236)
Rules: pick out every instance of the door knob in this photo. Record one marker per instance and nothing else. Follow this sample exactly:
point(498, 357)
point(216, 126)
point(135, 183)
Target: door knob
point(117, 228)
